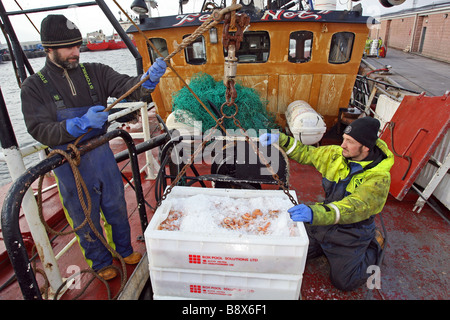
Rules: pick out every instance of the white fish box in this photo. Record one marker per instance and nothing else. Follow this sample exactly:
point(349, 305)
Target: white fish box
point(221, 285)
point(226, 251)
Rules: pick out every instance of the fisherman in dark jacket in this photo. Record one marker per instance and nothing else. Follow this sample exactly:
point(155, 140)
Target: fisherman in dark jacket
point(65, 100)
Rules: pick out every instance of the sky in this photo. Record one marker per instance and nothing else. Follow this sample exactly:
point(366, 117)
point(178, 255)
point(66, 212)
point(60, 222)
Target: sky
point(89, 19)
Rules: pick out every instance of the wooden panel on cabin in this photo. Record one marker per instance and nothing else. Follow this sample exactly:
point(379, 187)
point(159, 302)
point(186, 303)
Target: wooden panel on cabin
point(347, 92)
point(168, 86)
point(325, 86)
point(272, 93)
point(330, 93)
point(293, 87)
point(258, 82)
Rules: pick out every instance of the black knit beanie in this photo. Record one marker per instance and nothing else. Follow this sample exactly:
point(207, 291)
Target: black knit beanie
point(59, 32)
point(364, 130)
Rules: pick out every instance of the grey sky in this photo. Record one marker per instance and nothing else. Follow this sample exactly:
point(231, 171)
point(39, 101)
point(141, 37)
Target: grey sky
point(90, 19)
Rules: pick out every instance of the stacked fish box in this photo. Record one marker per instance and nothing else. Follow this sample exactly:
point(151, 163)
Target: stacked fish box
point(205, 243)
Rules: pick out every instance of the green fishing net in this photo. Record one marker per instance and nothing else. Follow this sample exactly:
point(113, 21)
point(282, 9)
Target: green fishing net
point(252, 113)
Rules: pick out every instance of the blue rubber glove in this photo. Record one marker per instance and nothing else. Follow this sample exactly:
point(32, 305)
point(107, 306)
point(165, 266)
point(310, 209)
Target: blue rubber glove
point(267, 139)
point(95, 118)
point(301, 213)
point(156, 71)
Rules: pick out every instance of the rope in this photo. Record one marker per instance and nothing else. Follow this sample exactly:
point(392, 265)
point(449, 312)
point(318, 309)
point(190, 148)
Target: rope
point(83, 192)
point(216, 16)
point(208, 24)
point(81, 189)
point(28, 17)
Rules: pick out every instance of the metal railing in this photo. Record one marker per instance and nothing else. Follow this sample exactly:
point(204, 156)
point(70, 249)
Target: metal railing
point(11, 208)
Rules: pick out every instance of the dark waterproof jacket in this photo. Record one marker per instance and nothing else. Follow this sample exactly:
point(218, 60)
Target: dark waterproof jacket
point(39, 108)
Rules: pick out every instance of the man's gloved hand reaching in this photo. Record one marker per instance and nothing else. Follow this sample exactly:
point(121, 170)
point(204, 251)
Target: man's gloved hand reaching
point(266, 139)
point(156, 71)
point(95, 118)
point(301, 213)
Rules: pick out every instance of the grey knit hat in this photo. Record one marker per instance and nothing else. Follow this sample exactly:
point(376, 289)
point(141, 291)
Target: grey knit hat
point(59, 32)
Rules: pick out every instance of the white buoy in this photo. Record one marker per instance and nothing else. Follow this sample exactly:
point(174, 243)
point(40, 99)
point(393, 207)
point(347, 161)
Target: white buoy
point(306, 125)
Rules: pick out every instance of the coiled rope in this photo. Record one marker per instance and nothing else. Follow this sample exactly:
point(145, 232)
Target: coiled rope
point(86, 205)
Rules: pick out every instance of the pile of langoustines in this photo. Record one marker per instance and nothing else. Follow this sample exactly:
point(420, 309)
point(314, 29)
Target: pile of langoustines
point(255, 216)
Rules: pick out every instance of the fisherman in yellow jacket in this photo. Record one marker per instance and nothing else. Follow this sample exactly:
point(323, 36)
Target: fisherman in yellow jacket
point(356, 180)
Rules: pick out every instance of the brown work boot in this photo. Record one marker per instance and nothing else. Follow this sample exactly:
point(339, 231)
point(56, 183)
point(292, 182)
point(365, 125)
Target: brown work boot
point(133, 258)
point(379, 238)
point(108, 273)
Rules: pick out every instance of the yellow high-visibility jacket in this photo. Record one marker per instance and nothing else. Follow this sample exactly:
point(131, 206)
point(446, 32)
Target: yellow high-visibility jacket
point(354, 190)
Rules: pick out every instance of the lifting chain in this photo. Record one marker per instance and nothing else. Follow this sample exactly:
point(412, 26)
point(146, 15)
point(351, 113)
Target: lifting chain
point(232, 42)
point(240, 22)
point(220, 121)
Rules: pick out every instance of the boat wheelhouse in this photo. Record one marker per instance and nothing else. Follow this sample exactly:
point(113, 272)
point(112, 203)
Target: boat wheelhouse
point(285, 55)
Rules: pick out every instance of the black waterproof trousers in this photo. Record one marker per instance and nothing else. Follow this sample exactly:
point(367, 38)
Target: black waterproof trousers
point(349, 248)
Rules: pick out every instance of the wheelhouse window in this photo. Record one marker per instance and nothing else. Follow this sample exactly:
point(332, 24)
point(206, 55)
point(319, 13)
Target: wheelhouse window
point(300, 46)
point(254, 48)
point(341, 47)
point(161, 45)
point(195, 53)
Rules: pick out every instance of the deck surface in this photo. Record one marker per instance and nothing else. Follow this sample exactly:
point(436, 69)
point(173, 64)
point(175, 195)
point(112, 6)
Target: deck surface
point(417, 259)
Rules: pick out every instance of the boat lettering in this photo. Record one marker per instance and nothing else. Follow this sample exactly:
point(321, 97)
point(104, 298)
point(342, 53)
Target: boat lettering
point(190, 17)
point(268, 15)
point(283, 14)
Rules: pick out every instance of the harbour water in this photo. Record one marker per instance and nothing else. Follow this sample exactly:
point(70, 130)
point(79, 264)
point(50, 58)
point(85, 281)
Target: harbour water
point(120, 60)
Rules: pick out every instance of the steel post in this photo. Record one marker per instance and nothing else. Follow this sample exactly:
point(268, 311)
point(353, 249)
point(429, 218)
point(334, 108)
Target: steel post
point(16, 168)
